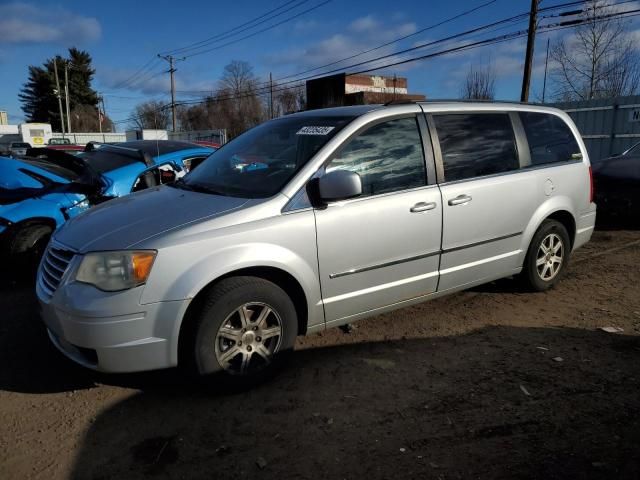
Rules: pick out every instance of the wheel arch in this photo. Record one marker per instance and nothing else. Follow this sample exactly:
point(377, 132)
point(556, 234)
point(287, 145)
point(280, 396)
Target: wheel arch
point(567, 220)
point(557, 208)
point(276, 275)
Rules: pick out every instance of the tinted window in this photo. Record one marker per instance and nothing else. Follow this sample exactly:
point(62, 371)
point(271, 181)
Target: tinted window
point(477, 144)
point(550, 139)
point(261, 161)
point(388, 157)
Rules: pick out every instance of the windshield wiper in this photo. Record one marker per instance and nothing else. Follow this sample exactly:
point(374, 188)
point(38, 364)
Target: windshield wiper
point(180, 183)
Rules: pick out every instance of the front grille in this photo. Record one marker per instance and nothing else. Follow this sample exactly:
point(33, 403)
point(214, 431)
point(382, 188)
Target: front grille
point(52, 269)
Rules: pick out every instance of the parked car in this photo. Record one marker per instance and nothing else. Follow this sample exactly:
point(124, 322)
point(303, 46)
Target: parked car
point(355, 211)
point(67, 148)
point(207, 143)
point(617, 187)
point(59, 141)
point(16, 149)
point(38, 193)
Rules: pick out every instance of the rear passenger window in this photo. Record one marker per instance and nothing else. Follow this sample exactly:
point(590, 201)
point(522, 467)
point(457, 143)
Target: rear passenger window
point(550, 139)
point(388, 157)
point(476, 144)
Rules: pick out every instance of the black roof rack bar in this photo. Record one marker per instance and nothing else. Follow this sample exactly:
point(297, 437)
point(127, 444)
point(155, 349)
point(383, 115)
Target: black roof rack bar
point(134, 153)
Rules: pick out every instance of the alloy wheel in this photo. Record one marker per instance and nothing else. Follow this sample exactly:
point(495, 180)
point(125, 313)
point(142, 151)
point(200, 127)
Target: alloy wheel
point(550, 257)
point(248, 338)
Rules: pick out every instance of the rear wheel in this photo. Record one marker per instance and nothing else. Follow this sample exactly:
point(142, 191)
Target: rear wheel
point(242, 333)
point(547, 257)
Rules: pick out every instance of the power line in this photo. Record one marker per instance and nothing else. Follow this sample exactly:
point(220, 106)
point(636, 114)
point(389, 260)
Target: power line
point(430, 27)
point(232, 31)
point(489, 27)
point(270, 27)
point(480, 43)
point(123, 83)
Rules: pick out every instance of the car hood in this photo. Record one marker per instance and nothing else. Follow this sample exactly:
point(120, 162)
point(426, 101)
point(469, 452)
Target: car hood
point(126, 221)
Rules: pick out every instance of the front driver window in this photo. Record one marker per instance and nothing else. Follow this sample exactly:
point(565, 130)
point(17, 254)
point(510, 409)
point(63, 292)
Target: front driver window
point(388, 157)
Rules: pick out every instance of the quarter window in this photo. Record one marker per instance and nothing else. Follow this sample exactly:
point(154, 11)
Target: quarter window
point(388, 157)
point(476, 144)
point(550, 138)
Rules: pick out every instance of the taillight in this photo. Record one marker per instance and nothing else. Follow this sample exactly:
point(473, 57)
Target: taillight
point(591, 189)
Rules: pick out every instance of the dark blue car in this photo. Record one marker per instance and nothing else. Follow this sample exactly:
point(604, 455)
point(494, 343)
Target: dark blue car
point(42, 190)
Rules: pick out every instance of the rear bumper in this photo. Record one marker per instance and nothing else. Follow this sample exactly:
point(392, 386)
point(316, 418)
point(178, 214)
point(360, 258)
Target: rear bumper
point(585, 225)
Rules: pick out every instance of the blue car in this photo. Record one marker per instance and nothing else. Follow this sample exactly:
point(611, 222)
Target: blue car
point(42, 190)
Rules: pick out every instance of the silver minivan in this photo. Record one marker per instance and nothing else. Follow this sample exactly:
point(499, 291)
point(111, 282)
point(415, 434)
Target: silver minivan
point(316, 220)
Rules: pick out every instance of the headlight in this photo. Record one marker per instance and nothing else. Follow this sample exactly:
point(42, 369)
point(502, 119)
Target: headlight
point(112, 271)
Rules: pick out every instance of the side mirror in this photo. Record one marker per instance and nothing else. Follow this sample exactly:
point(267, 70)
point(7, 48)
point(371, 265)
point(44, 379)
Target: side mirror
point(339, 185)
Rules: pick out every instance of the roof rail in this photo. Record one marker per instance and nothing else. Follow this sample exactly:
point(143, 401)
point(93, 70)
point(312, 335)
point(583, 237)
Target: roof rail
point(478, 100)
point(400, 101)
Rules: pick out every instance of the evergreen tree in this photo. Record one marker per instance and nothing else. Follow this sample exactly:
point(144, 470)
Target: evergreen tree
point(39, 101)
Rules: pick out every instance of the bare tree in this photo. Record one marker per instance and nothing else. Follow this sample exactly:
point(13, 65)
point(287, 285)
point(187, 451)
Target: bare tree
point(599, 61)
point(480, 84)
point(238, 99)
point(288, 100)
point(84, 118)
point(152, 115)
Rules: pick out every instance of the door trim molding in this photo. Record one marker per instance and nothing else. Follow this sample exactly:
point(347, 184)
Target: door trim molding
point(382, 265)
point(483, 242)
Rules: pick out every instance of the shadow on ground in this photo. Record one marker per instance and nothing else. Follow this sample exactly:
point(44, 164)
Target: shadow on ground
point(490, 404)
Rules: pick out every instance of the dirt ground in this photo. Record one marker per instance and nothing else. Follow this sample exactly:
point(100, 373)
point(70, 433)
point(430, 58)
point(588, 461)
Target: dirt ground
point(489, 383)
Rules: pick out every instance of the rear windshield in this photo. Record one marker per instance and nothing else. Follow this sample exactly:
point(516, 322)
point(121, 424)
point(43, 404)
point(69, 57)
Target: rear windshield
point(52, 168)
point(260, 162)
point(20, 145)
point(104, 160)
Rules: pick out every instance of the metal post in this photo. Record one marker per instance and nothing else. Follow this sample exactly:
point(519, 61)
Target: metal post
point(66, 93)
point(270, 96)
point(99, 116)
point(104, 109)
point(55, 71)
point(531, 39)
point(546, 63)
point(171, 59)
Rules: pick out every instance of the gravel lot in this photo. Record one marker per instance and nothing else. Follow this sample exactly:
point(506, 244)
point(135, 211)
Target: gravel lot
point(489, 383)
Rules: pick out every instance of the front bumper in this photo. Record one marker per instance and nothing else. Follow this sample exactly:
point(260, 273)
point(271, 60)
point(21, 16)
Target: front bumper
point(112, 332)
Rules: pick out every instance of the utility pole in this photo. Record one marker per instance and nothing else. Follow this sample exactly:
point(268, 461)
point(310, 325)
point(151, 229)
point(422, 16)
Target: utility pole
point(171, 59)
point(55, 71)
point(270, 96)
point(99, 115)
point(104, 109)
point(66, 93)
point(528, 61)
point(546, 63)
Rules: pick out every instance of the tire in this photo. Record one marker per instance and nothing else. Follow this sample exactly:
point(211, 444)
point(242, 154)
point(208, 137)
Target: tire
point(228, 342)
point(27, 247)
point(547, 257)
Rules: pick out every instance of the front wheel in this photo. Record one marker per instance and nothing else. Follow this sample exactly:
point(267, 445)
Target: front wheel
point(547, 257)
point(242, 332)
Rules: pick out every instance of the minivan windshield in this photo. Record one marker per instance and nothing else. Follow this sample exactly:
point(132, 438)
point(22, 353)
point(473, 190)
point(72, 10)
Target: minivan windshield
point(260, 162)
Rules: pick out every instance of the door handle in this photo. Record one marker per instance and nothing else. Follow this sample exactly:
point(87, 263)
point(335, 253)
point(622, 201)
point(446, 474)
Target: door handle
point(422, 207)
point(460, 200)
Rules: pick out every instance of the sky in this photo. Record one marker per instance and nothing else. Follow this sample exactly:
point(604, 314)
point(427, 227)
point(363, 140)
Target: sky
point(124, 37)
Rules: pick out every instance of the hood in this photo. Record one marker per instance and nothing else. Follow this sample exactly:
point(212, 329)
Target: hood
point(20, 181)
point(13, 175)
point(126, 221)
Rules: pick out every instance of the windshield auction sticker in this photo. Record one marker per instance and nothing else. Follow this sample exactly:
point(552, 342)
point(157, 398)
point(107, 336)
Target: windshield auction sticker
point(314, 130)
